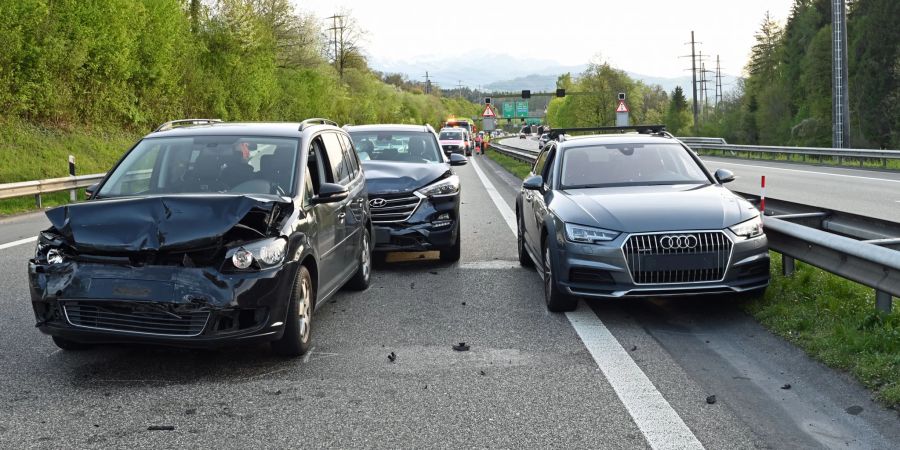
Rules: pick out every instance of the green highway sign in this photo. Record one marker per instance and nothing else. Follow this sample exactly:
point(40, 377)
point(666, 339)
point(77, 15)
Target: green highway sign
point(509, 110)
point(521, 109)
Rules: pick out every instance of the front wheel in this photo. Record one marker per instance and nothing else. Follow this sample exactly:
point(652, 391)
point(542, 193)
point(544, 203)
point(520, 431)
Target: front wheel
point(361, 279)
point(524, 258)
point(557, 301)
point(298, 325)
point(453, 253)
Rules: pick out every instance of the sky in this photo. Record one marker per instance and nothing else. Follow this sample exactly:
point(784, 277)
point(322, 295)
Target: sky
point(642, 36)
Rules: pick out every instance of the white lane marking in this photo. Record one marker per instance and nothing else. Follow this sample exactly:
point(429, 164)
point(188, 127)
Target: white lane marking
point(805, 171)
point(658, 421)
point(19, 242)
point(498, 264)
point(660, 424)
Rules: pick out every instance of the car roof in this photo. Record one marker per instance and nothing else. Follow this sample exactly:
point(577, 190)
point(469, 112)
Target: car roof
point(275, 129)
point(387, 127)
point(601, 139)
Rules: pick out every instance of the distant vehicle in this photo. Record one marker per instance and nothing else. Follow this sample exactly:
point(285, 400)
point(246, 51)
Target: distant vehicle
point(636, 215)
point(470, 143)
point(206, 234)
point(453, 140)
point(525, 132)
point(544, 139)
point(467, 124)
point(413, 192)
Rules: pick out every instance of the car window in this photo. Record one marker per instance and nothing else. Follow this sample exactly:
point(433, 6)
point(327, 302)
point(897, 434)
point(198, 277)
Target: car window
point(201, 164)
point(340, 169)
point(547, 172)
point(397, 146)
point(349, 153)
point(539, 164)
point(451, 136)
point(629, 164)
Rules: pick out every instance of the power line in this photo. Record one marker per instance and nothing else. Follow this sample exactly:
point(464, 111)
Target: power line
point(694, 81)
point(718, 82)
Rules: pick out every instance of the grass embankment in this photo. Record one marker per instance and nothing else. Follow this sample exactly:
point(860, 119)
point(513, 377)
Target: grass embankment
point(832, 319)
point(29, 152)
point(891, 164)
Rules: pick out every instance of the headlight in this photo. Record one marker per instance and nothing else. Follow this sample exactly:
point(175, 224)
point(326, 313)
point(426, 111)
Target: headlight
point(589, 235)
point(446, 186)
point(748, 228)
point(47, 250)
point(267, 253)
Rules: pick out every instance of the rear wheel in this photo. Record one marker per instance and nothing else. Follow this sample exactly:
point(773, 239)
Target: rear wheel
point(524, 258)
point(453, 253)
point(298, 325)
point(360, 280)
point(557, 301)
point(70, 345)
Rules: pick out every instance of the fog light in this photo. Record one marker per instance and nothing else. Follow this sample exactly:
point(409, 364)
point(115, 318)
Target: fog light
point(444, 216)
point(242, 259)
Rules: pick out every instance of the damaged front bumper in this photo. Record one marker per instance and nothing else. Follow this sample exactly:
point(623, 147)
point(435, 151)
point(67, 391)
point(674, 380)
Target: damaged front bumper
point(434, 225)
point(169, 305)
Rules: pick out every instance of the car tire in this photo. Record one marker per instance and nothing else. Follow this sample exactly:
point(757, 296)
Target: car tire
point(363, 276)
point(298, 324)
point(453, 253)
point(524, 258)
point(70, 345)
point(557, 301)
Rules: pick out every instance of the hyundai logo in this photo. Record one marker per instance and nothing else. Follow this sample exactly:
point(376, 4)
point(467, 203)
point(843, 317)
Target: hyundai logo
point(377, 202)
point(678, 242)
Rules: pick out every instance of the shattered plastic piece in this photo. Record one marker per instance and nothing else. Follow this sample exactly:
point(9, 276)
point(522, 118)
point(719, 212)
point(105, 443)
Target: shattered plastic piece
point(786, 386)
point(464, 303)
point(432, 272)
point(483, 373)
point(461, 347)
point(711, 399)
point(633, 347)
point(392, 357)
point(854, 410)
point(189, 412)
point(161, 428)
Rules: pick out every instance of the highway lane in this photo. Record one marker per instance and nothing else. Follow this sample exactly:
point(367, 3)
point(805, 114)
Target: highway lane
point(528, 378)
point(866, 192)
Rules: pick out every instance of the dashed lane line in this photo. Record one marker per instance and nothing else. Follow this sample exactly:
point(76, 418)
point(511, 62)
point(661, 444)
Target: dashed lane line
point(660, 424)
point(19, 242)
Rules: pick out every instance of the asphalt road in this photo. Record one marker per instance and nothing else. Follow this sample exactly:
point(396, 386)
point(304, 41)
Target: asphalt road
point(870, 193)
point(614, 374)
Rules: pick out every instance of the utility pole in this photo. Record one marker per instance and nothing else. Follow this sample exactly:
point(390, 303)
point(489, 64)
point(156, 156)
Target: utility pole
point(334, 33)
point(718, 83)
point(694, 82)
point(427, 83)
point(459, 87)
point(705, 88)
point(840, 104)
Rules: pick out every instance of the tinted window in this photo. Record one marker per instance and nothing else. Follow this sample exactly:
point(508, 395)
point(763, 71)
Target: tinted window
point(339, 167)
point(398, 146)
point(200, 164)
point(629, 164)
point(539, 164)
point(350, 155)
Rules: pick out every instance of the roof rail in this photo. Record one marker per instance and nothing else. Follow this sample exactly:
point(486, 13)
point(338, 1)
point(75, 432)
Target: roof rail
point(173, 123)
point(642, 129)
point(316, 121)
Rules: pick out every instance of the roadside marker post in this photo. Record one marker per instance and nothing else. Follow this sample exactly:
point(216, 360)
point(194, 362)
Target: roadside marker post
point(73, 193)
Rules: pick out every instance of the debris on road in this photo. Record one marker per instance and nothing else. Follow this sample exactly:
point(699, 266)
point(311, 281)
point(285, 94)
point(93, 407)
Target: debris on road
point(461, 347)
point(464, 303)
point(854, 410)
point(392, 357)
point(786, 386)
point(161, 428)
point(433, 272)
point(633, 347)
point(190, 412)
point(483, 373)
point(711, 399)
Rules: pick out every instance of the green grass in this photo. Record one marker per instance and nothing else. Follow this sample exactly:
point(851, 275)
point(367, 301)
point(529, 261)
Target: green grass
point(891, 164)
point(835, 321)
point(30, 152)
point(514, 166)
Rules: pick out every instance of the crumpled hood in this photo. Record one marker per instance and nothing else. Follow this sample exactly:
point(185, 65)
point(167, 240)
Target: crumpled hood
point(654, 208)
point(158, 223)
point(388, 177)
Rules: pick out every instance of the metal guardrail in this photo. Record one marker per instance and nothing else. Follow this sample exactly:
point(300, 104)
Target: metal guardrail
point(819, 153)
point(38, 187)
point(851, 246)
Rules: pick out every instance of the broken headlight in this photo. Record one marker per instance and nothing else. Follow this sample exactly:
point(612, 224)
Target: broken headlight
point(47, 250)
point(258, 255)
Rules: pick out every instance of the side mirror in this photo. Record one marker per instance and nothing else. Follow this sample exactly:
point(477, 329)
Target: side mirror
point(90, 190)
point(330, 193)
point(533, 183)
point(724, 176)
point(458, 160)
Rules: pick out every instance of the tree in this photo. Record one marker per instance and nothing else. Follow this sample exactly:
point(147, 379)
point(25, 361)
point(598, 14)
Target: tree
point(346, 43)
point(678, 117)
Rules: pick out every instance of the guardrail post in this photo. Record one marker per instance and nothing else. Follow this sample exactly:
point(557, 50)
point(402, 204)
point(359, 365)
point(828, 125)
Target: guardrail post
point(73, 194)
point(883, 301)
point(787, 265)
point(37, 201)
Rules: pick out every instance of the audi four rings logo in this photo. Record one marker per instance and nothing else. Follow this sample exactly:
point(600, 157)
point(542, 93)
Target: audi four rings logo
point(678, 241)
point(377, 202)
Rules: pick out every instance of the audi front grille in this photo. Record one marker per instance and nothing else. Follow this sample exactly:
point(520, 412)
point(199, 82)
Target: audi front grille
point(394, 207)
point(677, 257)
point(133, 317)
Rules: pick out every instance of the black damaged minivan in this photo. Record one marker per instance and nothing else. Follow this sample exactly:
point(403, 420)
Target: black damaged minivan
point(208, 233)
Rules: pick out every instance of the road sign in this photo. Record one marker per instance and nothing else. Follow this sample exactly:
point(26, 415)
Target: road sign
point(509, 110)
point(521, 109)
point(622, 108)
point(489, 124)
point(488, 112)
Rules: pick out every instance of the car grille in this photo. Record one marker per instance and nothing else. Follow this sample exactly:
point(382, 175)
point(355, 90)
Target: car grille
point(135, 318)
point(677, 257)
point(395, 207)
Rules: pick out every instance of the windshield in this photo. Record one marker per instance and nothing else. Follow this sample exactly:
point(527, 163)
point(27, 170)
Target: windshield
point(399, 146)
point(206, 164)
point(451, 135)
point(629, 164)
